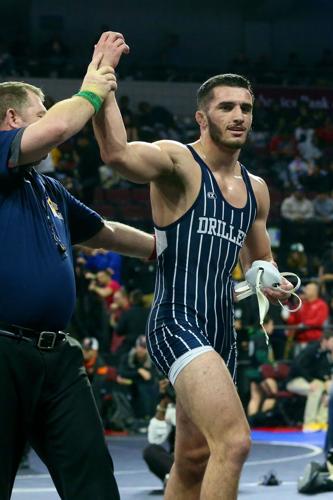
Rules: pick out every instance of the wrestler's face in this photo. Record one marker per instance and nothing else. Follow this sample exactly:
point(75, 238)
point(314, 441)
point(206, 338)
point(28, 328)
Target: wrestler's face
point(32, 111)
point(228, 116)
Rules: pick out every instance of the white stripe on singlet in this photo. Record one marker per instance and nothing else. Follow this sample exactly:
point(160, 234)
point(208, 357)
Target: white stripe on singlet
point(233, 347)
point(231, 323)
point(174, 276)
point(178, 337)
point(209, 259)
point(157, 309)
point(186, 268)
point(157, 288)
point(215, 299)
point(167, 343)
point(198, 262)
point(224, 286)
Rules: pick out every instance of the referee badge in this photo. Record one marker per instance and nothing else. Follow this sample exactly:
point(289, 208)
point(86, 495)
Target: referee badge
point(54, 209)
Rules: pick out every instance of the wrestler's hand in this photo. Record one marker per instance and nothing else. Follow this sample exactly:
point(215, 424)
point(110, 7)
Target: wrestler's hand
point(278, 295)
point(99, 79)
point(112, 46)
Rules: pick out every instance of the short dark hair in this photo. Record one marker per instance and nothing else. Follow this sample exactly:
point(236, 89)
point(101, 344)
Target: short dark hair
point(204, 94)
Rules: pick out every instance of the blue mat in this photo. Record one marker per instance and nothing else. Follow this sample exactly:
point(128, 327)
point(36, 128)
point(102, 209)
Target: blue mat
point(314, 438)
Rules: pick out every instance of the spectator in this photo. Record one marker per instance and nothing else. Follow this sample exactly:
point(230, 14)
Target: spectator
point(310, 376)
point(145, 121)
point(137, 366)
point(326, 273)
point(297, 208)
point(165, 124)
point(55, 56)
point(132, 322)
point(96, 369)
point(282, 139)
point(279, 166)
point(119, 305)
point(297, 218)
point(297, 169)
point(128, 118)
point(140, 275)
point(306, 143)
point(329, 436)
point(88, 161)
point(323, 207)
point(310, 318)
point(297, 260)
point(260, 354)
point(95, 260)
point(103, 285)
point(316, 179)
point(161, 429)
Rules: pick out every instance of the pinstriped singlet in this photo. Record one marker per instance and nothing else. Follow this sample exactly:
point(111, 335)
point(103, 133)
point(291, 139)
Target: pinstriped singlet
point(193, 302)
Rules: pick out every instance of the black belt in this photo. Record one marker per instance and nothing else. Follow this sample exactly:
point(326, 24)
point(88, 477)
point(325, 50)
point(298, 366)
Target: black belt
point(43, 339)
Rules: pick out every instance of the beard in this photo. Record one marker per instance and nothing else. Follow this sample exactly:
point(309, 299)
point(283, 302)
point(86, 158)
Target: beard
point(218, 139)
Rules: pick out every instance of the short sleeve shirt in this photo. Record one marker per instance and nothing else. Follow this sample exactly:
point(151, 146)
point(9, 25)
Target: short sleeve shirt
point(39, 221)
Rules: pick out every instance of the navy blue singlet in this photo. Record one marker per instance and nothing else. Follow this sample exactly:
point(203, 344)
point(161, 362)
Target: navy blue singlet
point(193, 302)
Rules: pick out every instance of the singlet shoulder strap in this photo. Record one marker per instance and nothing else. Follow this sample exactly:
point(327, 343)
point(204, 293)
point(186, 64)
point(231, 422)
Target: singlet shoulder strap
point(197, 158)
point(247, 180)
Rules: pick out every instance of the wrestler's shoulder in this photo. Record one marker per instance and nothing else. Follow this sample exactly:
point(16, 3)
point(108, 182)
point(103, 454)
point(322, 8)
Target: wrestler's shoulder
point(173, 148)
point(258, 183)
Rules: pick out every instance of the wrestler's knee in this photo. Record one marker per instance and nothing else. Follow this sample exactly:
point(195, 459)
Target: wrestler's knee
point(191, 464)
point(234, 445)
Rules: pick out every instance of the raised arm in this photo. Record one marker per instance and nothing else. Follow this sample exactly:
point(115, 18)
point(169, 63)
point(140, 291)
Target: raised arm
point(137, 161)
point(65, 118)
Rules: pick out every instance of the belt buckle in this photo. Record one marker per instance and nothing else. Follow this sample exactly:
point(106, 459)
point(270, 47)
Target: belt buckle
point(47, 340)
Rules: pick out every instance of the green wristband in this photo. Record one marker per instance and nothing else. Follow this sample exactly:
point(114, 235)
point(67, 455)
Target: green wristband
point(93, 98)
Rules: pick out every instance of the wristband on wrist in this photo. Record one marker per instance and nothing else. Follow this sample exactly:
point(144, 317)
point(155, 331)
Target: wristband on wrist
point(153, 255)
point(91, 97)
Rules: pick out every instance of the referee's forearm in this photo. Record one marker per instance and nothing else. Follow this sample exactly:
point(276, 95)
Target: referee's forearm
point(131, 241)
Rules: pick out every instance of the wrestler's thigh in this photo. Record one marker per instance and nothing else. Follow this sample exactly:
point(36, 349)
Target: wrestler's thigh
point(209, 398)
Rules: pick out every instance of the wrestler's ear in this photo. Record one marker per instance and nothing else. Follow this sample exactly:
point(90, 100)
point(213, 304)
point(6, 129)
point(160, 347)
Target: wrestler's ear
point(201, 119)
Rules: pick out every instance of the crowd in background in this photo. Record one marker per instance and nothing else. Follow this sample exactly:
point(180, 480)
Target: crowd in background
point(19, 57)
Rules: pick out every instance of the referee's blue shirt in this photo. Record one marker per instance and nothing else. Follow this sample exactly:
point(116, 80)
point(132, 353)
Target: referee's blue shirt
point(39, 221)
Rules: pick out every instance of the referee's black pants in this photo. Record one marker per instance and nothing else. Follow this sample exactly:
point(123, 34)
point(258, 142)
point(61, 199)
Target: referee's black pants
point(45, 397)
